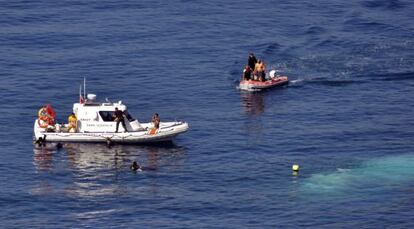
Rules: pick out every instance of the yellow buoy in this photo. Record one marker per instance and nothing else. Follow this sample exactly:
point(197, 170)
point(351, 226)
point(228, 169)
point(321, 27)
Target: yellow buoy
point(295, 168)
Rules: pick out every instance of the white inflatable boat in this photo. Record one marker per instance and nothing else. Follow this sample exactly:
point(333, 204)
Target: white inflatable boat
point(94, 122)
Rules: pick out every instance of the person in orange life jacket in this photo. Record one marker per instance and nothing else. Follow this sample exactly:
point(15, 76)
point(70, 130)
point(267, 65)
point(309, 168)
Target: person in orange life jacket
point(119, 117)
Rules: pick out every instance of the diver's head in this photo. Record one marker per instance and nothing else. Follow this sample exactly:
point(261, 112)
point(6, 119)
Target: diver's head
point(135, 166)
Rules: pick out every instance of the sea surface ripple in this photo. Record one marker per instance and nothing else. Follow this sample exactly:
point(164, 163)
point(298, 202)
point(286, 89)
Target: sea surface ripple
point(346, 118)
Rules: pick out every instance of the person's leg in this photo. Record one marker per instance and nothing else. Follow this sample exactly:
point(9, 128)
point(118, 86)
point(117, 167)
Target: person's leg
point(117, 125)
point(123, 125)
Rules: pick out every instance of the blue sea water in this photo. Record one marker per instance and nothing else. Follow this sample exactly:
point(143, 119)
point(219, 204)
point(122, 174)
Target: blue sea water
point(346, 118)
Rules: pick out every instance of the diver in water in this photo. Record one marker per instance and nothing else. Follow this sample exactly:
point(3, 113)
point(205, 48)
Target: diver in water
point(40, 141)
point(109, 143)
point(136, 167)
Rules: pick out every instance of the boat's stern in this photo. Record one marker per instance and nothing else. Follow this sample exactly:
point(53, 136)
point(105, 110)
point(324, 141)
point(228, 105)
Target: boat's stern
point(37, 130)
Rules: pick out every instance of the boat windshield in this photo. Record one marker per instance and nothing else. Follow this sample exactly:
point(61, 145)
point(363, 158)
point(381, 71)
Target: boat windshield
point(108, 116)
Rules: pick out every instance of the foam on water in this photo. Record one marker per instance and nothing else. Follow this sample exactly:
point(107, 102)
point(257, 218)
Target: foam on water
point(381, 173)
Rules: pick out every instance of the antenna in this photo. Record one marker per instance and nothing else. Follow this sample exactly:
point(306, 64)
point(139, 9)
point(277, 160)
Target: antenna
point(80, 92)
point(84, 87)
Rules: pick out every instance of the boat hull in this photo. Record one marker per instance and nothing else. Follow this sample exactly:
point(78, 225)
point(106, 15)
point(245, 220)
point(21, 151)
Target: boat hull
point(166, 133)
point(251, 85)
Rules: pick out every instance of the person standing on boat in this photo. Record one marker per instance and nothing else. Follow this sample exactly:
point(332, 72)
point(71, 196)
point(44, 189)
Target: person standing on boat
point(119, 117)
point(262, 71)
point(72, 120)
point(257, 68)
point(252, 61)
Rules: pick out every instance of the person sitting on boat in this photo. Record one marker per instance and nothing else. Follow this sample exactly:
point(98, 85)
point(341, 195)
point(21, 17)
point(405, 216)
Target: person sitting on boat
point(156, 122)
point(46, 117)
point(252, 61)
point(119, 117)
point(247, 73)
point(72, 120)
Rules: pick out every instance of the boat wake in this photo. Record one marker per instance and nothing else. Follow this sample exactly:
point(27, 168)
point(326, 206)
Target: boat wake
point(296, 81)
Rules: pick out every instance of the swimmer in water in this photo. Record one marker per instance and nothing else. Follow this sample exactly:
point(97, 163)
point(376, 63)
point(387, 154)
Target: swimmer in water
point(40, 141)
point(109, 143)
point(136, 167)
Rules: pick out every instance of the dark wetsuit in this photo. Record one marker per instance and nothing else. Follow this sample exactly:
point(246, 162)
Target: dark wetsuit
point(252, 61)
point(119, 117)
point(247, 73)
